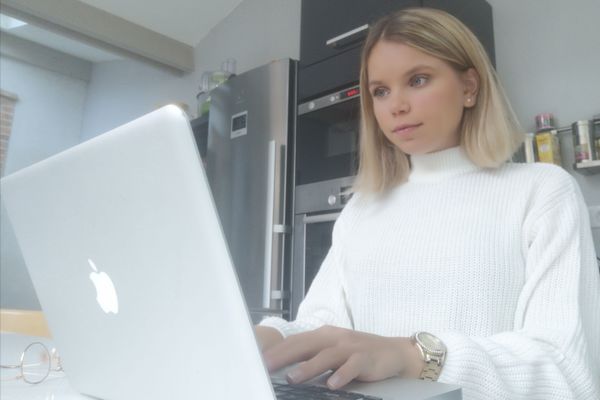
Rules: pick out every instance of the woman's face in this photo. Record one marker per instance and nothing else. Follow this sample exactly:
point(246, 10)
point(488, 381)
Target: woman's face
point(418, 100)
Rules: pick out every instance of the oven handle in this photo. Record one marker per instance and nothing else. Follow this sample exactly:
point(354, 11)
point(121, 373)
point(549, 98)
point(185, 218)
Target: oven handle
point(312, 219)
point(269, 311)
point(336, 41)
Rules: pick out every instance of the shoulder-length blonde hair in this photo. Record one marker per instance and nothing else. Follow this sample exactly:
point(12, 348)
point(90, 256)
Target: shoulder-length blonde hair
point(489, 131)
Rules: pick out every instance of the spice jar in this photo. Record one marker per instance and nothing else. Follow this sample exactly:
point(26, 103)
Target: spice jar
point(546, 139)
point(583, 140)
point(596, 136)
point(544, 121)
point(548, 146)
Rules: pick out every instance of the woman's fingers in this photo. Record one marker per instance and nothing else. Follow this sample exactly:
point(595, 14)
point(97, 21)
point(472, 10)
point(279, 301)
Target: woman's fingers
point(293, 349)
point(346, 372)
point(297, 348)
point(327, 359)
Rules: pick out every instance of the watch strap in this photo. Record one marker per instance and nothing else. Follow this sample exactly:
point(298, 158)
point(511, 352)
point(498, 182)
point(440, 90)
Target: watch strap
point(431, 371)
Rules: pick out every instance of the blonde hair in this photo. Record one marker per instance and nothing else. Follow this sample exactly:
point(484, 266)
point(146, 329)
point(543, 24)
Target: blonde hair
point(489, 131)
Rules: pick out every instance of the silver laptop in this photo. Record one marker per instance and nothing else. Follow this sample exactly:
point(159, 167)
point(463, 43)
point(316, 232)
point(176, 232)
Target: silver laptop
point(124, 247)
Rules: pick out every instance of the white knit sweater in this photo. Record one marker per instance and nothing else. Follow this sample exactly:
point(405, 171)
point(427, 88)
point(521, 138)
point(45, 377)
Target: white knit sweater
point(499, 264)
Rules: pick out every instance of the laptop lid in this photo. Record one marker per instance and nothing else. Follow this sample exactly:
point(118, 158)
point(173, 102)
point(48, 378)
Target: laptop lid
point(124, 247)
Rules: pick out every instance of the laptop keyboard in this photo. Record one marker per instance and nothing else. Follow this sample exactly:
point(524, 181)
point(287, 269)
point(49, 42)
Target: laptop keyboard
point(305, 392)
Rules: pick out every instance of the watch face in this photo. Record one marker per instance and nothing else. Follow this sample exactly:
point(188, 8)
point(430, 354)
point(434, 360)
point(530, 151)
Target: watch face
point(431, 342)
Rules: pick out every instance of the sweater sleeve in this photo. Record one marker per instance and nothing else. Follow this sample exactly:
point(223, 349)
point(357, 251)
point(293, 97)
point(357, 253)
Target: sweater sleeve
point(325, 302)
point(553, 352)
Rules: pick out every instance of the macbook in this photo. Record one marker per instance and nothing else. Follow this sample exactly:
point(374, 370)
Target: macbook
point(124, 247)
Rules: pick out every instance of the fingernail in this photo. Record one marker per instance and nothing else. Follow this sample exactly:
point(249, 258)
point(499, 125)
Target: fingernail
point(333, 382)
point(294, 376)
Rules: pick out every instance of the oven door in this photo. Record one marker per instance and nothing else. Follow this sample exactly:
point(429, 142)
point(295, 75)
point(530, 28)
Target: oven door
point(327, 137)
point(312, 240)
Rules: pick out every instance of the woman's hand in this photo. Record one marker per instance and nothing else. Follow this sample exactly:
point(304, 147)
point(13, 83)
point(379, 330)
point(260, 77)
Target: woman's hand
point(267, 337)
point(351, 354)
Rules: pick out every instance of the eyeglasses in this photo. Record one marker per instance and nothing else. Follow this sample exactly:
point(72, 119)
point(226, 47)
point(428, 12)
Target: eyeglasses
point(36, 364)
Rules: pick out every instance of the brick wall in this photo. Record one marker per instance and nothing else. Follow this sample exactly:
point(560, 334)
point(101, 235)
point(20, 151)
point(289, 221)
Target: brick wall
point(7, 111)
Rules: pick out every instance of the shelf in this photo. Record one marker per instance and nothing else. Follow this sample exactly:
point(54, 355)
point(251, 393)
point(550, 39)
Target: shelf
point(588, 167)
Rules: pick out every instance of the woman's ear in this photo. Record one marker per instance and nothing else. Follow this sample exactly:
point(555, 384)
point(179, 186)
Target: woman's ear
point(471, 87)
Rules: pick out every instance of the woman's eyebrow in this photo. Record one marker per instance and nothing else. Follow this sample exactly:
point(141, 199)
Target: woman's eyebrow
point(418, 68)
point(411, 71)
point(374, 83)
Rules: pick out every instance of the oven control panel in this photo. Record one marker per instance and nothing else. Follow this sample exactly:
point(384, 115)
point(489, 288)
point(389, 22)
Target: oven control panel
point(323, 196)
point(329, 99)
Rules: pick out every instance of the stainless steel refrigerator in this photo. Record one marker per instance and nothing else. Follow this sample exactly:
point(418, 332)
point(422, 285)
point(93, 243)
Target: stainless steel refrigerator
point(249, 162)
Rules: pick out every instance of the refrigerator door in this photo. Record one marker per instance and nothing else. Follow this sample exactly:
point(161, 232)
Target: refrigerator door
point(247, 165)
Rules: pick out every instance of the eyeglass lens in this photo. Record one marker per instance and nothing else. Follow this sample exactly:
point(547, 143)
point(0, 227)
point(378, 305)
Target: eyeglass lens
point(35, 363)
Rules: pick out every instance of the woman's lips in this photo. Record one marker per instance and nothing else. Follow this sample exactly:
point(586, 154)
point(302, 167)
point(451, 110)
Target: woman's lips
point(406, 129)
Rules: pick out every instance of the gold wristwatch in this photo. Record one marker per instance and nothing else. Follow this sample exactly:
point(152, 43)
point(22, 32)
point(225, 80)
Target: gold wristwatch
point(433, 351)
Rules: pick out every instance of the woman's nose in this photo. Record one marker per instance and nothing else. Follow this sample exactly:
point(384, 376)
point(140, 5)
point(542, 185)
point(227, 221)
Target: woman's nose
point(399, 104)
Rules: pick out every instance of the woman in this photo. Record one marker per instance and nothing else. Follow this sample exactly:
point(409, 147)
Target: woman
point(494, 259)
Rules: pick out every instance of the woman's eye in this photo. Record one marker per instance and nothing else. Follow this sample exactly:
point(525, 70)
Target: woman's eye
point(419, 80)
point(379, 92)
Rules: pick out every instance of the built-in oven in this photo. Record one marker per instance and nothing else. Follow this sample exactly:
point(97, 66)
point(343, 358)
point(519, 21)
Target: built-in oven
point(317, 207)
point(327, 132)
point(327, 136)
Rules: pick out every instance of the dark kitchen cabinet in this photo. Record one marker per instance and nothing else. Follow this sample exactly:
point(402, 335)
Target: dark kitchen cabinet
point(475, 14)
point(323, 21)
point(328, 75)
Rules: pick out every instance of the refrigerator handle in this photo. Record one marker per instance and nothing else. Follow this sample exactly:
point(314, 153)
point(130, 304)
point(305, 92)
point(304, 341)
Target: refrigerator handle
point(272, 284)
point(269, 225)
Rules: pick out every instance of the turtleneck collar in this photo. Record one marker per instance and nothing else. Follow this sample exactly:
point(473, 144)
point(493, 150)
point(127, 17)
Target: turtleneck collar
point(441, 165)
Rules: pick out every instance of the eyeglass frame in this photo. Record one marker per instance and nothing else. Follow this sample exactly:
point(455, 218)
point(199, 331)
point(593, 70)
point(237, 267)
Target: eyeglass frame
point(52, 354)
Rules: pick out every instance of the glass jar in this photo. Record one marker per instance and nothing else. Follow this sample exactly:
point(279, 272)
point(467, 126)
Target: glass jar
point(583, 141)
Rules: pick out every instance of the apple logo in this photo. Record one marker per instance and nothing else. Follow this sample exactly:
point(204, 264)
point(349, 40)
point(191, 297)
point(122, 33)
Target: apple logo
point(106, 295)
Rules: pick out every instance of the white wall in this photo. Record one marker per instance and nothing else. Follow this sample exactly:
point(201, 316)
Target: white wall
point(547, 57)
point(48, 115)
point(256, 32)
point(47, 119)
point(122, 90)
